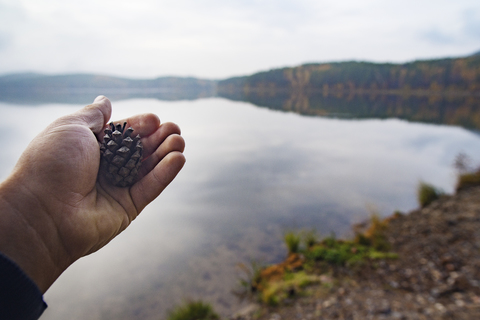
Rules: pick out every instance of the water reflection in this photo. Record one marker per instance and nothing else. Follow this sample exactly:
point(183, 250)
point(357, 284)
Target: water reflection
point(250, 174)
point(87, 95)
point(461, 110)
point(428, 107)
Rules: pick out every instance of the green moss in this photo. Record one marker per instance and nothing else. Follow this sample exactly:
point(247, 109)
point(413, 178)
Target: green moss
point(345, 253)
point(193, 310)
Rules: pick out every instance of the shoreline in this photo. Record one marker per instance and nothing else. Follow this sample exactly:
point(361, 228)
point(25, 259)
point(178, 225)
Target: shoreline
point(436, 275)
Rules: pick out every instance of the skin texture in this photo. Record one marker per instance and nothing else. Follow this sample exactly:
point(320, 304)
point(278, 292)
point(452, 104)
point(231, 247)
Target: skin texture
point(55, 209)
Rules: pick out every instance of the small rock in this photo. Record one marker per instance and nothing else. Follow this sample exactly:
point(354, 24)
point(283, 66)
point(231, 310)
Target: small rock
point(421, 299)
point(436, 275)
point(441, 290)
point(450, 267)
point(398, 315)
point(408, 272)
point(440, 307)
point(247, 312)
point(275, 316)
point(460, 303)
point(461, 283)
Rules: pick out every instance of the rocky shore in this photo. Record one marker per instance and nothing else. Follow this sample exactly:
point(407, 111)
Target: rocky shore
point(436, 274)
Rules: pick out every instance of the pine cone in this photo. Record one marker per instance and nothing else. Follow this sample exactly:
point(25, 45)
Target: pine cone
point(121, 156)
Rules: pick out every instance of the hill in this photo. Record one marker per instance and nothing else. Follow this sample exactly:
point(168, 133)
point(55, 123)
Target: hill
point(93, 81)
point(37, 88)
point(441, 75)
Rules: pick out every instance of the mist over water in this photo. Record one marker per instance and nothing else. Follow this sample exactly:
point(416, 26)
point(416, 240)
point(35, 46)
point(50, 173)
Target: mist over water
point(251, 174)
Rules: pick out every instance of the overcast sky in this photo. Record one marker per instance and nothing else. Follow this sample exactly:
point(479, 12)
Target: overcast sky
point(223, 38)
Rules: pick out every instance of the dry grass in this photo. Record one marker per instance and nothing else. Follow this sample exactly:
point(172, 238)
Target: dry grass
point(468, 180)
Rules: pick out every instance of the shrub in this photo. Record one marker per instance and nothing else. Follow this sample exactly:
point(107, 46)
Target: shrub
point(426, 194)
point(193, 310)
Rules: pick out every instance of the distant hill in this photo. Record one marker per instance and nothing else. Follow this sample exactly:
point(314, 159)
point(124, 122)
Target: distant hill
point(34, 81)
point(77, 88)
point(440, 75)
point(457, 76)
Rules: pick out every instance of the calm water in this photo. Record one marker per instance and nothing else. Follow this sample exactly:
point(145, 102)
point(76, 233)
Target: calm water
point(251, 174)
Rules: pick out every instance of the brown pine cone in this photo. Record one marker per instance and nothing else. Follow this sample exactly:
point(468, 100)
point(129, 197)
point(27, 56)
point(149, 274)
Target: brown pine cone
point(121, 156)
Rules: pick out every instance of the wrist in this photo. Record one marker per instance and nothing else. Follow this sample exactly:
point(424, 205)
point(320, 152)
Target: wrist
point(28, 235)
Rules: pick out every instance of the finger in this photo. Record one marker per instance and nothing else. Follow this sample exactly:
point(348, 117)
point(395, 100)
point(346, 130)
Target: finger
point(143, 124)
point(93, 116)
point(172, 143)
point(153, 141)
point(150, 186)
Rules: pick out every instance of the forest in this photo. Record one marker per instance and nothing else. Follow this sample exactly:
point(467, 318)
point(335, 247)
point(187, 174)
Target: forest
point(449, 75)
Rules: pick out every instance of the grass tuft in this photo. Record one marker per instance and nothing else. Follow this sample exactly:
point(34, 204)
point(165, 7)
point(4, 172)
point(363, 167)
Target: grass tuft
point(276, 283)
point(375, 234)
point(292, 240)
point(468, 180)
point(193, 310)
point(291, 284)
point(310, 237)
point(253, 275)
point(426, 194)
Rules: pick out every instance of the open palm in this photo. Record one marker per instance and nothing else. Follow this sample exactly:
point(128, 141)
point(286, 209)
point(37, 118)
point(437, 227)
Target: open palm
point(79, 211)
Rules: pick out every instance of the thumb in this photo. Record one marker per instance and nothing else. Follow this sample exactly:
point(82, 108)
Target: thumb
point(97, 114)
point(94, 116)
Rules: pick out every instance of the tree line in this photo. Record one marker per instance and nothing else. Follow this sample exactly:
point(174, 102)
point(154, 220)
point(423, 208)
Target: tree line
point(440, 75)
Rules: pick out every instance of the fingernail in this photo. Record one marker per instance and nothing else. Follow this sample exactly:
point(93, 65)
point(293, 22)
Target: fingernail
point(99, 98)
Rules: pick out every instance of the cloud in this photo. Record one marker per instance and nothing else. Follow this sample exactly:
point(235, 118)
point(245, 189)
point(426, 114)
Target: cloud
point(4, 41)
point(463, 28)
point(472, 23)
point(214, 38)
point(438, 37)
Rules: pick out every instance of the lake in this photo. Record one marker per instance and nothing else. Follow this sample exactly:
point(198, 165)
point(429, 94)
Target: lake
point(252, 173)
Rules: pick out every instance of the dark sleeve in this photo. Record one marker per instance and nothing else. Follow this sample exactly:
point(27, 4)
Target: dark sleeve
point(20, 297)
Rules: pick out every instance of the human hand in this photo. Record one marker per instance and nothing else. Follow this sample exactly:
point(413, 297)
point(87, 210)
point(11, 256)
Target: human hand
point(54, 210)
